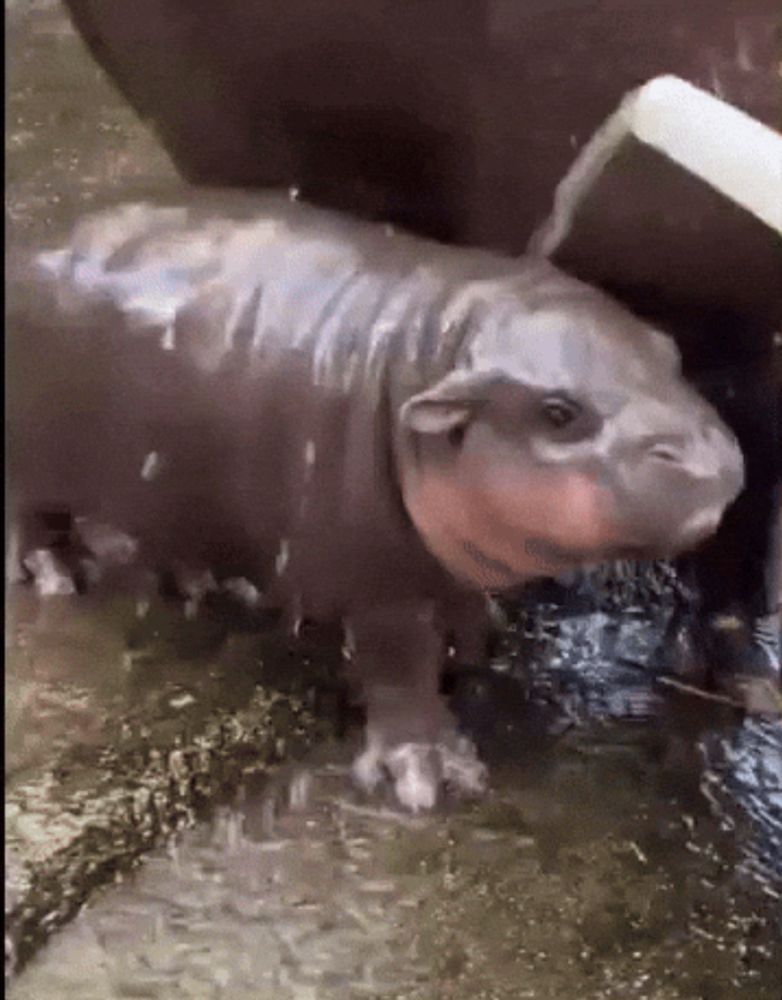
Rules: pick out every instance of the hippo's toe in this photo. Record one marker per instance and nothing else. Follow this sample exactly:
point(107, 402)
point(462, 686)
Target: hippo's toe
point(415, 771)
point(463, 771)
point(368, 766)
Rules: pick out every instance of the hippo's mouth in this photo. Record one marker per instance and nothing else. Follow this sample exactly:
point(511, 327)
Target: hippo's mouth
point(497, 566)
point(551, 553)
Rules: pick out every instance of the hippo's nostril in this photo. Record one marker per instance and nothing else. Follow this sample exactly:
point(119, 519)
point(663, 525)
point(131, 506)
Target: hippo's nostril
point(666, 453)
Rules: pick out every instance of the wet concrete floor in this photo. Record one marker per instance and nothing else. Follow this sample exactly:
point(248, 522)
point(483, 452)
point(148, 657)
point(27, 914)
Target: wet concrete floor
point(613, 857)
point(630, 846)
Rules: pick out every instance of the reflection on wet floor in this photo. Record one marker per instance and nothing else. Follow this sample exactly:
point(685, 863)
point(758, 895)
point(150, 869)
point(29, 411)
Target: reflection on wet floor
point(589, 871)
point(618, 854)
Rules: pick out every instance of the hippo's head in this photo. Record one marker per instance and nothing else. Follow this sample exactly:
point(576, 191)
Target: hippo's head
point(565, 434)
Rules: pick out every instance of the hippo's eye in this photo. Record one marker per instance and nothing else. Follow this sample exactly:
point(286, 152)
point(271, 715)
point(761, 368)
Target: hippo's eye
point(560, 411)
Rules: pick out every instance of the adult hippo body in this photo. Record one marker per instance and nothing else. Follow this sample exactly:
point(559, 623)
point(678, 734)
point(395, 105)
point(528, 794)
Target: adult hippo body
point(373, 427)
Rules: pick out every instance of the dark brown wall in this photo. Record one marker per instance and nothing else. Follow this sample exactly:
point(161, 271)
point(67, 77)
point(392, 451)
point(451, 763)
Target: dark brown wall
point(453, 117)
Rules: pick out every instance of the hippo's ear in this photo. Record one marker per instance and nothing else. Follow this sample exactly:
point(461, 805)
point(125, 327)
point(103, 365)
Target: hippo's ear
point(449, 404)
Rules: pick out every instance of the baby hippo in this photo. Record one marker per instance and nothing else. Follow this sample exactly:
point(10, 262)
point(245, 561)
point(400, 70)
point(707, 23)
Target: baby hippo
point(371, 427)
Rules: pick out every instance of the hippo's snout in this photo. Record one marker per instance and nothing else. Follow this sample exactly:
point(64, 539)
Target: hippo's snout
point(708, 453)
point(683, 480)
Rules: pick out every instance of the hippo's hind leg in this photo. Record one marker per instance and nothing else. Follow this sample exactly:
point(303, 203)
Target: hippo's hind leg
point(410, 734)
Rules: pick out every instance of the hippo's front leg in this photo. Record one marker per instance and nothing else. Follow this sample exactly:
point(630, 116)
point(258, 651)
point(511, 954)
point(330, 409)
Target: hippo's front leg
point(411, 736)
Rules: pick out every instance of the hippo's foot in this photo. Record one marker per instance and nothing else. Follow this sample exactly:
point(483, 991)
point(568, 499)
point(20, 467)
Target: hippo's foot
point(51, 575)
point(419, 770)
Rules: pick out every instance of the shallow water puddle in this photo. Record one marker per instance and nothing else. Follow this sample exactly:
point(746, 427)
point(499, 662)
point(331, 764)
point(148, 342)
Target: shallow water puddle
point(597, 869)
